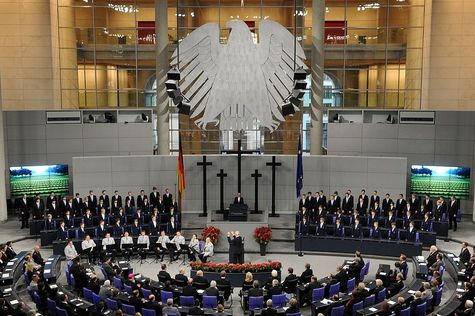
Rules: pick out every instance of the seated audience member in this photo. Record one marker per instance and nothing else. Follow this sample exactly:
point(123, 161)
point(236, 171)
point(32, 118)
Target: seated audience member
point(396, 286)
point(181, 277)
point(399, 306)
point(269, 311)
point(362, 291)
point(212, 290)
point(248, 281)
point(200, 280)
point(378, 287)
point(306, 274)
point(355, 298)
point(135, 300)
point(426, 291)
point(64, 304)
point(255, 290)
point(341, 276)
point(437, 264)
point(385, 309)
point(189, 289)
point(107, 291)
point(36, 256)
point(432, 257)
point(417, 300)
point(161, 243)
point(293, 307)
point(467, 309)
point(335, 302)
point(195, 310)
point(109, 269)
point(70, 251)
point(169, 308)
point(224, 284)
point(93, 284)
point(163, 275)
point(465, 253)
point(314, 284)
point(274, 275)
point(290, 280)
point(275, 289)
point(33, 286)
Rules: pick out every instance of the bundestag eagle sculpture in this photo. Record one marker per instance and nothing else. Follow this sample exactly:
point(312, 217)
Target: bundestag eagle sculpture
point(235, 83)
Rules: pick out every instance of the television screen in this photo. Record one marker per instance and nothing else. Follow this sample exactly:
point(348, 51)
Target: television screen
point(32, 180)
point(440, 181)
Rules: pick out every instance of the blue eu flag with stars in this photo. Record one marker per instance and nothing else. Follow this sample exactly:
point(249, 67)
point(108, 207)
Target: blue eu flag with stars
point(299, 180)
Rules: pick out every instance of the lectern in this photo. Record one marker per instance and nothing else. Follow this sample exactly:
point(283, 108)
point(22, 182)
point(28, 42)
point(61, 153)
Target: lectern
point(237, 213)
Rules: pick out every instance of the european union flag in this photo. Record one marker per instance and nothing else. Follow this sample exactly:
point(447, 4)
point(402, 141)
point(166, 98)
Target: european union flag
point(299, 180)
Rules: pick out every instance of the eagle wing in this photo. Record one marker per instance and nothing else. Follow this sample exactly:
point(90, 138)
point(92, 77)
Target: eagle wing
point(276, 57)
point(198, 64)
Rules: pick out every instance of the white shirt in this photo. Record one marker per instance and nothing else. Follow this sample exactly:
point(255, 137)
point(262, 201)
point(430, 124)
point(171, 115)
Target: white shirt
point(126, 240)
point(178, 240)
point(86, 244)
point(194, 244)
point(143, 240)
point(70, 252)
point(163, 240)
point(209, 249)
point(107, 241)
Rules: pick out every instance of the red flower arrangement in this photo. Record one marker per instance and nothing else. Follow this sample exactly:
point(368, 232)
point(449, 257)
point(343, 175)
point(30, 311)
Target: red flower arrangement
point(211, 232)
point(236, 268)
point(263, 235)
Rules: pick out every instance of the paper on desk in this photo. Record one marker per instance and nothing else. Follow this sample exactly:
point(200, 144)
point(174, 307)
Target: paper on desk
point(411, 291)
point(450, 255)
point(382, 273)
point(122, 262)
point(53, 286)
point(47, 271)
point(8, 270)
point(14, 302)
point(10, 263)
point(366, 288)
point(372, 309)
point(423, 264)
point(5, 275)
point(200, 291)
point(7, 290)
point(460, 290)
point(79, 304)
point(391, 302)
point(325, 301)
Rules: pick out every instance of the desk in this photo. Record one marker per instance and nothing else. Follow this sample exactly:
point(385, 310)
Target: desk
point(237, 213)
point(441, 228)
point(47, 237)
point(207, 311)
point(36, 226)
point(51, 269)
point(421, 267)
point(11, 273)
point(321, 306)
point(349, 245)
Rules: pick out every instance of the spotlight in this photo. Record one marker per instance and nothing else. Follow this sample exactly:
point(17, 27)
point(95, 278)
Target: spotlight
point(184, 108)
point(300, 74)
point(300, 85)
point(173, 74)
point(288, 109)
point(144, 117)
point(171, 84)
point(91, 118)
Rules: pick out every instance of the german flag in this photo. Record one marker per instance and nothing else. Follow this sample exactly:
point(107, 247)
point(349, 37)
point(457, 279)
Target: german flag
point(180, 170)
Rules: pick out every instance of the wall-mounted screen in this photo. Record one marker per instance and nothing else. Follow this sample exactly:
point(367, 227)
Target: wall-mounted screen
point(31, 180)
point(440, 181)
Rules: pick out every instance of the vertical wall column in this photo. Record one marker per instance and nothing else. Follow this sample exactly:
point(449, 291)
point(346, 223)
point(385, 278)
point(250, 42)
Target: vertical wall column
point(161, 29)
point(318, 24)
point(3, 195)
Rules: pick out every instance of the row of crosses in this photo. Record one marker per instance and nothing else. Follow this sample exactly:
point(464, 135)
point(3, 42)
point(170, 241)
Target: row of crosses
point(256, 175)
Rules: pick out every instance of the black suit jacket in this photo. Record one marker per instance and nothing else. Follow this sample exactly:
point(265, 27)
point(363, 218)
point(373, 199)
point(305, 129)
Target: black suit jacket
point(241, 200)
point(365, 201)
point(464, 255)
point(154, 198)
point(153, 306)
point(181, 277)
point(255, 291)
point(453, 208)
point(212, 291)
point(321, 230)
point(347, 206)
point(373, 200)
point(189, 290)
point(269, 312)
point(306, 275)
point(356, 231)
point(164, 276)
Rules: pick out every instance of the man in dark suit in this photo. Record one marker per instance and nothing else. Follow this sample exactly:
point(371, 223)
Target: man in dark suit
point(356, 229)
point(223, 284)
point(337, 199)
point(63, 304)
point(77, 204)
point(235, 245)
point(163, 275)
point(347, 204)
point(153, 226)
point(290, 280)
point(212, 290)
point(374, 199)
point(332, 205)
point(427, 203)
point(24, 210)
point(269, 311)
point(189, 289)
point(393, 232)
point(340, 276)
point(37, 257)
point(414, 202)
point(416, 301)
point(400, 205)
point(52, 197)
point(135, 300)
point(426, 223)
point(104, 197)
point(68, 220)
point(116, 197)
point(255, 290)
point(140, 199)
point(302, 201)
point(411, 233)
point(339, 230)
point(321, 228)
point(167, 199)
point(453, 211)
point(386, 203)
point(275, 289)
point(301, 228)
point(365, 199)
point(50, 224)
point(238, 199)
point(154, 197)
point(314, 284)
point(309, 203)
point(62, 233)
point(465, 253)
point(38, 209)
point(306, 274)
point(376, 231)
point(396, 286)
point(441, 208)
point(322, 199)
point(152, 304)
point(101, 229)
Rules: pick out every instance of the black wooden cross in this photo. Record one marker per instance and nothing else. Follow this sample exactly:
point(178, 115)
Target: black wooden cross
point(273, 164)
point(256, 175)
point(204, 164)
point(221, 176)
point(239, 153)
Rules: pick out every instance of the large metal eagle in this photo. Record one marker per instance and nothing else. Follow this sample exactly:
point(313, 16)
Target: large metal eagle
point(233, 84)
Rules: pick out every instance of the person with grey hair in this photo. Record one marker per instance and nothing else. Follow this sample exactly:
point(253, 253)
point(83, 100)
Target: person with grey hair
point(212, 290)
point(255, 290)
point(169, 308)
point(269, 311)
point(107, 290)
point(274, 275)
point(416, 301)
point(426, 291)
point(467, 309)
point(275, 289)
